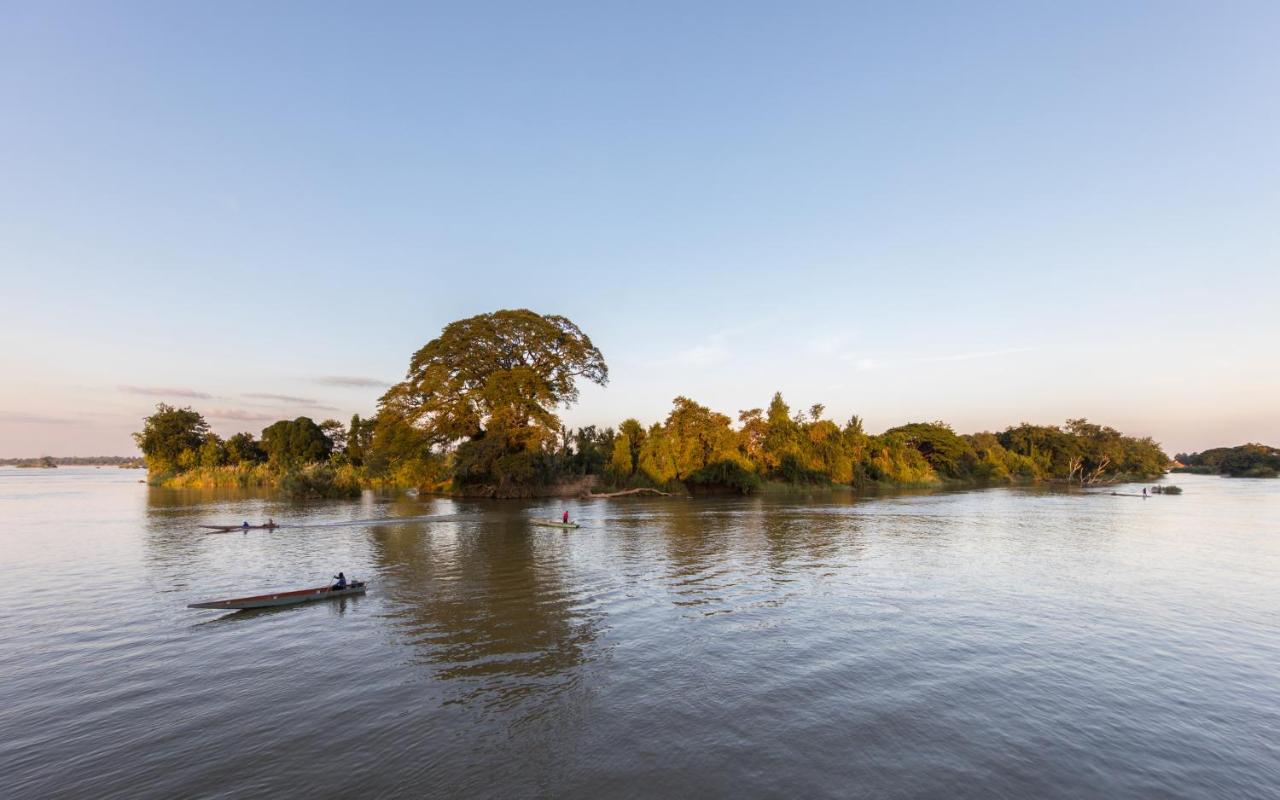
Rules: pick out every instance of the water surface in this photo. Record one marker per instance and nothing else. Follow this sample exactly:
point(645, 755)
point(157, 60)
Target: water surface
point(999, 643)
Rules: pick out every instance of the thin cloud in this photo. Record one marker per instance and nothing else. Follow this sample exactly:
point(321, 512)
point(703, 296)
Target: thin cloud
point(283, 398)
point(701, 355)
point(166, 391)
point(240, 415)
point(832, 344)
point(24, 418)
point(976, 354)
point(351, 381)
point(710, 351)
point(863, 364)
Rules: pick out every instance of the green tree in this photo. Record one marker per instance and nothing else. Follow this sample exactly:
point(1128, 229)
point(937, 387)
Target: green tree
point(782, 436)
point(635, 434)
point(592, 449)
point(752, 430)
point(213, 453)
point(699, 436)
point(291, 443)
point(389, 447)
point(167, 434)
point(490, 385)
point(242, 448)
point(657, 461)
point(621, 462)
point(946, 452)
point(359, 439)
point(1250, 461)
point(337, 434)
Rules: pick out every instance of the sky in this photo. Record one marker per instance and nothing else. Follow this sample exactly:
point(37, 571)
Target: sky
point(982, 213)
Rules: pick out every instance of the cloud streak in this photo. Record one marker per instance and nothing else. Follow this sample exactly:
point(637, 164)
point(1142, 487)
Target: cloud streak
point(283, 398)
point(976, 354)
point(350, 381)
point(240, 415)
point(166, 391)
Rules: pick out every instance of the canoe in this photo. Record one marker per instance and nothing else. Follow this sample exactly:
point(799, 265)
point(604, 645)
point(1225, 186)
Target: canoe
point(283, 598)
point(229, 528)
point(551, 523)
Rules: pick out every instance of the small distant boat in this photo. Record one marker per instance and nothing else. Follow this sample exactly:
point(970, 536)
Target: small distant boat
point(283, 598)
point(268, 526)
point(555, 523)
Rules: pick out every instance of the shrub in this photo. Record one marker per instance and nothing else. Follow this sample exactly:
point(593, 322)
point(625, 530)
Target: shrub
point(724, 476)
point(320, 480)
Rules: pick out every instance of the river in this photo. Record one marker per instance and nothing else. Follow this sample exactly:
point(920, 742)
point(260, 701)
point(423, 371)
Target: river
point(1007, 643)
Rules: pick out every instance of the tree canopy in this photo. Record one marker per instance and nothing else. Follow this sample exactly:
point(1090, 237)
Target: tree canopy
point(1245, 461)
point(295, 442)
point(167, 433)
point(491, 384)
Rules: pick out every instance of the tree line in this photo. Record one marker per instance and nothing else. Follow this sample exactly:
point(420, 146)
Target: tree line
point(1244, 461)
point(477, 414)
point(73, 461)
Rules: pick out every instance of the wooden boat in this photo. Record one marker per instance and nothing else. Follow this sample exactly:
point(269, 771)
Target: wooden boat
point(283, 598)
point(555, 523)
point(267, 526)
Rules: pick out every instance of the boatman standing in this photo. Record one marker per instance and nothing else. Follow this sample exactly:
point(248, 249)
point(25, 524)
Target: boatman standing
point(566, 517)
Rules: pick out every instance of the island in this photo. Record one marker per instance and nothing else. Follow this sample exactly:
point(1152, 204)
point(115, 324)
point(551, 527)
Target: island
point(477, 416)
point(1243, 461)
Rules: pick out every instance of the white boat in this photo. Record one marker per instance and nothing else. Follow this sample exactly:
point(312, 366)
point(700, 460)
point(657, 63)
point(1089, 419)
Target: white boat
point(555, 523)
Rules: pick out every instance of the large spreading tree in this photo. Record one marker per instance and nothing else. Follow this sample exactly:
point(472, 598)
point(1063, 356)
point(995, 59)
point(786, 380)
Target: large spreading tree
point(169, 433)
point(490, 385)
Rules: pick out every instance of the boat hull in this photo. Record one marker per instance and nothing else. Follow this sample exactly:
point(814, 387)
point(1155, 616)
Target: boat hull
point(230, 528)
point(281, 598)
point(550, 523)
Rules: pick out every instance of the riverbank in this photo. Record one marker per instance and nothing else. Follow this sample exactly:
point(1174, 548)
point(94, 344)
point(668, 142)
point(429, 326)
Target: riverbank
point(323, 480)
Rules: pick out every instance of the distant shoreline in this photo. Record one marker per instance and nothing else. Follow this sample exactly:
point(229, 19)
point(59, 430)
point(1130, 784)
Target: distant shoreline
point(128, 462)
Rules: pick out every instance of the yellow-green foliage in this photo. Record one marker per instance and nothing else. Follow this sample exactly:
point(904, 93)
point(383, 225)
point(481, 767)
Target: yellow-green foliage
point(320, 480)
point(657, 461)
point(241, 476)
point(893, 461)
point(699, 437)
point(620, 462)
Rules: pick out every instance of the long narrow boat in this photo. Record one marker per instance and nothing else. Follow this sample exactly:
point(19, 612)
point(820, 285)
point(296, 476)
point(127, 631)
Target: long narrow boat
point(268, 526)
point(552, 523)
point(283, 598)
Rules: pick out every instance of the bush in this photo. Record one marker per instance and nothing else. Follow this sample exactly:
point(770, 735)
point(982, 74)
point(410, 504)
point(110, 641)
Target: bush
point(724, 476)
point(320, 480)
point(792, 471)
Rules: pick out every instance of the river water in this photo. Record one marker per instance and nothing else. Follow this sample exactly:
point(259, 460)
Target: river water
point(999, 643)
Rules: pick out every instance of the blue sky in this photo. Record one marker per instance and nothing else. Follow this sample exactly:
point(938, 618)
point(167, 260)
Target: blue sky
point(982, 213)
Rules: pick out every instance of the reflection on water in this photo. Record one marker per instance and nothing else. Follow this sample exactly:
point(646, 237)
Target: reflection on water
point(1004, 643)
point(484, 601)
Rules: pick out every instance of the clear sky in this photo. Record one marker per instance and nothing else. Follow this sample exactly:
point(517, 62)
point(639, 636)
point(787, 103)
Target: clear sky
point(977, 212)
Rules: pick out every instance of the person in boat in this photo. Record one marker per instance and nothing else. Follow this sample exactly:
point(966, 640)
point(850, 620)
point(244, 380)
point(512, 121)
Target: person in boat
point(341, 582)
point(565, 518)
point(1144, 491)
point(245, 524)
point(271, 523)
